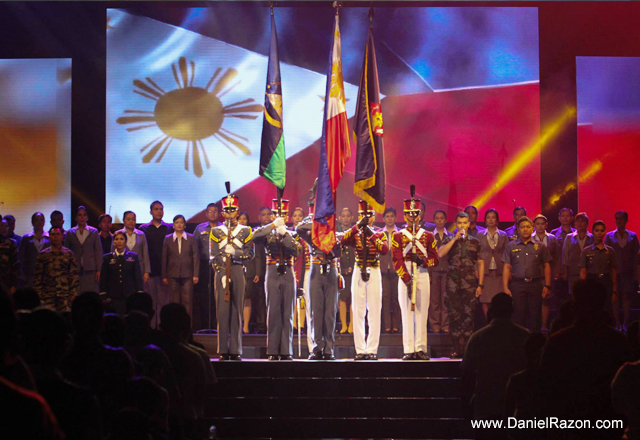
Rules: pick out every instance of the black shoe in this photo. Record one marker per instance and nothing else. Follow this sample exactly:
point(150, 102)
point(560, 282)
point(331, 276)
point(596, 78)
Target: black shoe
point(273, 357)
point(316, 356)
point(455, 355)
point(372, 357)
point(329, 357)
point(224, 357)
point(235, 357)
point(360, 357)
point(408, 357)
point(286, 357)
point(422, 356)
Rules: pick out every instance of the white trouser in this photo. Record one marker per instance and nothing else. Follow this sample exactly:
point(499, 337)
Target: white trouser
point(414, 323)
point(307, 309)
point(366, 296)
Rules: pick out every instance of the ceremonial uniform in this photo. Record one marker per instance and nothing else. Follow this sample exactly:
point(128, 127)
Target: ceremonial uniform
point(203, 304)
point(438, 315)
point(599, 263)
point(282, 247)
point(9, 266)
point(527, 262)
point(560, 288)
point(571, 251)
point(366, 285)
point(305, 280)
point(56, 278)
point(230, 311)
point(120, 276)
point(461, 288)
point(413, 255)
point(322, 287)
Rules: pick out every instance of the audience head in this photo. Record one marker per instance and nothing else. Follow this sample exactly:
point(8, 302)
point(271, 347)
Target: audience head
point(26, 298)
point(174, 320)
point(213, 213)
point(105, 222)
point(622, 217)
point(440, 218)
point(45, 337)
point(113, 330)
point(501, 306)
point(87, 315)
point(588, 300)
point(491, 218)
point(156, 209)
point(243, 218)
point(152, 360)
point(37, 221)
point(136, 329)
point(518, 212)
point(147, 396)
point(56, 219)
point(472, 212)
point(142, 302)
point(533, 347)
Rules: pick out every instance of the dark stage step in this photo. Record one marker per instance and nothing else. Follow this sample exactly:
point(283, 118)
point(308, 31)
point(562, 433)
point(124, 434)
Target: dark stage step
point(339, 399)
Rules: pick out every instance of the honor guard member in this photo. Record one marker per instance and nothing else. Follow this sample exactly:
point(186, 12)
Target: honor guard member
point(464, 282)
point(230, 247)
point(599, 262)
point(366, 284)
point(414, 251)
point(526, 275)
point(322, 285)
point(56, 277)
point(572, 249)
point(282, 247)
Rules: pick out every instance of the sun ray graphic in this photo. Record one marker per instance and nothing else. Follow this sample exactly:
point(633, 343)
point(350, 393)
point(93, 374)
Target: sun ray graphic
point(190, 114)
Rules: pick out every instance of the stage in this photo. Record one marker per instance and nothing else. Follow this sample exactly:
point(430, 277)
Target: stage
point(300, 399)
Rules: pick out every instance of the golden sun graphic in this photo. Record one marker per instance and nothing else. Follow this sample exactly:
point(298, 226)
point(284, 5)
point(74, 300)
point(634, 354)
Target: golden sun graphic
point(190, 114)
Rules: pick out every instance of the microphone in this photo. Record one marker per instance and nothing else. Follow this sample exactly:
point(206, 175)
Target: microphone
point(463, 234)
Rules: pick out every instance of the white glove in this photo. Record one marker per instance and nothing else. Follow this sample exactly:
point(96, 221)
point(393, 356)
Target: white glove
point(281, 230)
point(228, 249)
point(224, 281)
point(279, 221)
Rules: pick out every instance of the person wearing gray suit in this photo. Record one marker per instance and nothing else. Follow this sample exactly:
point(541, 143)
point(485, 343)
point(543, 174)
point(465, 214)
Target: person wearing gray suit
point(282, 247)
point(84, 241)
point(31, 245)
point(136, 242)
point(180, 264)
point(572, 249)
point(493, 242)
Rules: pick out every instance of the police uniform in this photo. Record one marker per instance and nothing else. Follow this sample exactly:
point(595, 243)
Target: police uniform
point(512, 232)
point(461, 288)
point(560, 288)
point(322, 288)
point(203, 305)
point(56, 278)
point(551, 242)
point(229, 310)
point(438, 314)
point(120, 276)
point(527, 262)
point(599, 263)
point(571, 251)
point(414, 252)
point(282, 247)
point(366, 284)
point(626, 247)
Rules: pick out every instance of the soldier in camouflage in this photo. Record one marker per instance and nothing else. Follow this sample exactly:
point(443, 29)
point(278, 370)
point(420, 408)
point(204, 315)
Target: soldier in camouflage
point(56, 277)
point(464, 282)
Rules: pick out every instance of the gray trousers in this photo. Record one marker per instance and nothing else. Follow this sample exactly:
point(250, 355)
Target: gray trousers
point(181, 292)
point(230, 313)
point(438, 313)
point(281, 296)
point(159, 295)
point(323, 293)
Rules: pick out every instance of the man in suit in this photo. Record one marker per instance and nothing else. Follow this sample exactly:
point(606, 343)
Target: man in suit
point(572, 249)
point(136, 242)
point(120, 275)
point(84, 241)
point(180, 264)
point(542, 236)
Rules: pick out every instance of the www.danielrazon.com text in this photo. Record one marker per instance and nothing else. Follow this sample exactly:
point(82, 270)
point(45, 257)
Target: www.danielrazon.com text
point(546, 423)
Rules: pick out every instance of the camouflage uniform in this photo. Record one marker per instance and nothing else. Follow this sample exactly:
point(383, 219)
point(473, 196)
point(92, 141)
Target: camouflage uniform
point(8, 263)
point(461, 287)
point(56, 278)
